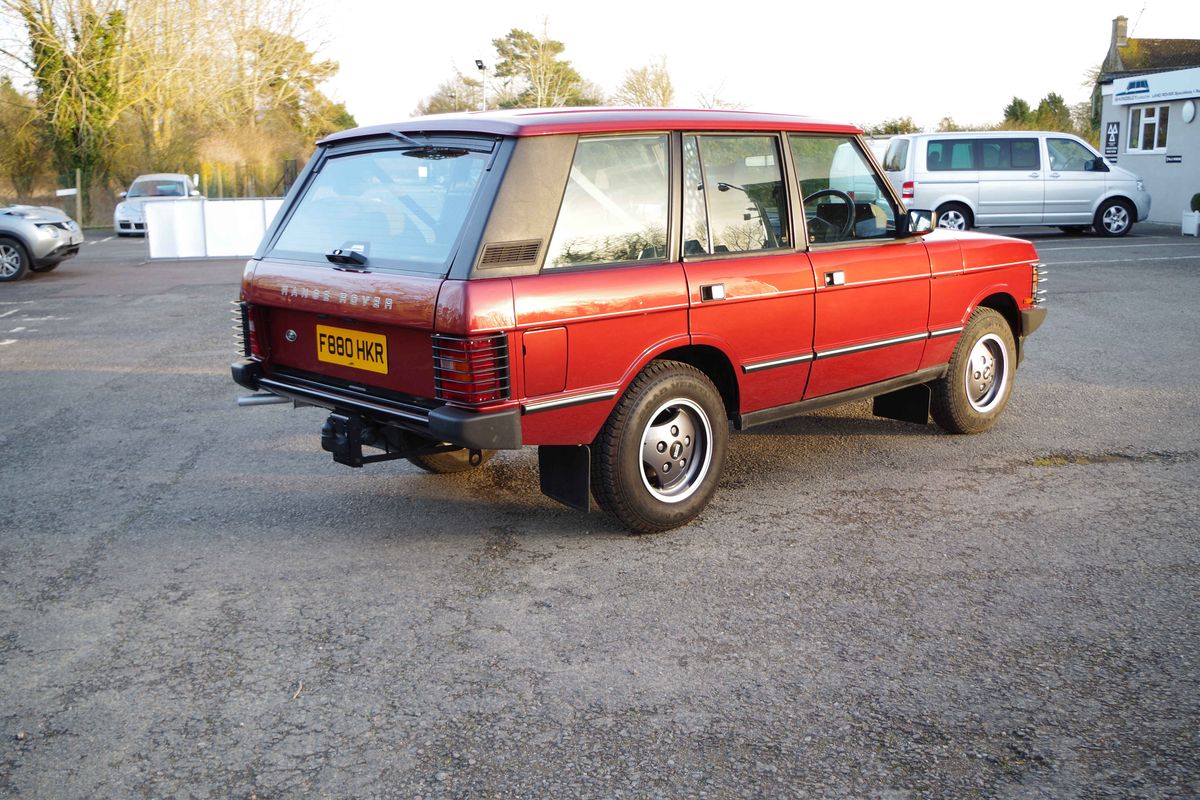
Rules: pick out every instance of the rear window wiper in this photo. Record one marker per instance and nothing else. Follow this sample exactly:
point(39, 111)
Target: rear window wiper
point(427, 150)
point(349, 258)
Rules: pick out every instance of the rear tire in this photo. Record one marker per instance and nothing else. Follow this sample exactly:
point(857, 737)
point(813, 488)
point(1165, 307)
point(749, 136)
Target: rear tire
point(450, 463)
point(1114, 218)
point(657, 460)
point(14, 260)
point(955, 217)
point(978, 383)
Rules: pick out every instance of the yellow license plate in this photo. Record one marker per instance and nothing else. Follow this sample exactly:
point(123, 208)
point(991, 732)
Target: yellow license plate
point(355, 349)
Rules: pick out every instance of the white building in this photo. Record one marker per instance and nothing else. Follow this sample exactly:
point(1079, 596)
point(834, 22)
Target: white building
point(1150, 101)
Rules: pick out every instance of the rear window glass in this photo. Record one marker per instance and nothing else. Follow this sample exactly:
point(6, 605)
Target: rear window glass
point(943, 154)
point(897, 155)
point(399, 208)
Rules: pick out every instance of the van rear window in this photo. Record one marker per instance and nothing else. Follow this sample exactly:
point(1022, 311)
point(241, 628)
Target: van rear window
point(896, 158)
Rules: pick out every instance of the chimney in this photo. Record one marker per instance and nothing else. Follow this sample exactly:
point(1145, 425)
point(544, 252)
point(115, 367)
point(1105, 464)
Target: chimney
point(1120, 29)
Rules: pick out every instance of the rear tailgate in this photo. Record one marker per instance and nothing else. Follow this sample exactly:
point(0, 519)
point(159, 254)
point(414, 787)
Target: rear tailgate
point(348, 328)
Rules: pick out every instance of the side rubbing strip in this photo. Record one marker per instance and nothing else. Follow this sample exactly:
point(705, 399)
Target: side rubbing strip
point(946, 332)
point(565, 402)
point(841, 351)
point(776, 362)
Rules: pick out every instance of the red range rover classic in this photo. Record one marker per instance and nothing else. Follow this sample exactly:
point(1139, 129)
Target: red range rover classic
point(618, 287)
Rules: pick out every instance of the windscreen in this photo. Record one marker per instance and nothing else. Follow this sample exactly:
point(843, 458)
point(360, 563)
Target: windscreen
point(162, 188)
point(398, 208)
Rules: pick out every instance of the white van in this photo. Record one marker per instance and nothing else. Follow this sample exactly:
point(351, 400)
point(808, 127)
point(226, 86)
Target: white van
point(983, 178)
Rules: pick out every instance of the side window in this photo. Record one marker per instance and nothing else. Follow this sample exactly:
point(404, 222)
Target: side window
point(950, 154)
point(616, 203)
point(733, 195)
point(844, 199)
point(1068, 155)
point(997, 154)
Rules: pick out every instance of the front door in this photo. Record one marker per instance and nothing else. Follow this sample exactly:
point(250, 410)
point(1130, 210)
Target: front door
point(872, 290)
point(1072, 184)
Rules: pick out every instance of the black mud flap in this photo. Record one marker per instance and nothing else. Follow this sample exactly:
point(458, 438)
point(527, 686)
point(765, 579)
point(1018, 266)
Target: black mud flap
point(910, 404)
point(566, 474)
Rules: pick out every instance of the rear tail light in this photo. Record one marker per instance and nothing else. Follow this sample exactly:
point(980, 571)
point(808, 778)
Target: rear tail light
point(471, 370)
point(1039, 281)
point(908, 189)
point(244, 329)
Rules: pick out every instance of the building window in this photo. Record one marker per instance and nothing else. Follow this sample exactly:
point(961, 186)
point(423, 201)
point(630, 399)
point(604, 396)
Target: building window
point(1148, 128)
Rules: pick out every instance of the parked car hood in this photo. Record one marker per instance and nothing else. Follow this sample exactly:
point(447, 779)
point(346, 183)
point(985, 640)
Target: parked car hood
point(35, 213)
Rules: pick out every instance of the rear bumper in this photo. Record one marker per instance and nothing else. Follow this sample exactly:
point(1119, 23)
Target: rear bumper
point(494, 430)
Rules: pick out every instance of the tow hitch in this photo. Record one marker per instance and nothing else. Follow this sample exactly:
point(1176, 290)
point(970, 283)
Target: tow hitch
point(344, 435)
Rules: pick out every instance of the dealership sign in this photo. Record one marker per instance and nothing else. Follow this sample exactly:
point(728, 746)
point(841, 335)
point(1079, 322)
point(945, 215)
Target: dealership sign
point(1160, 86)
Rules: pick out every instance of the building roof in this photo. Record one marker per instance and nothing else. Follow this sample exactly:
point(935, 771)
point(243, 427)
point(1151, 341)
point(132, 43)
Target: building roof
point(545, 121)
point(1128, 56)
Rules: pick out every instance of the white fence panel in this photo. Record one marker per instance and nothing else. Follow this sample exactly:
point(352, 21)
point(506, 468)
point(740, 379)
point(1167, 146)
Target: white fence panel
point(208, 228)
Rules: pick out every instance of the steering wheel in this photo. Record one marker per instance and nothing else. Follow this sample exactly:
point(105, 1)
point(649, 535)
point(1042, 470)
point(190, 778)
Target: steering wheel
point(847, 228)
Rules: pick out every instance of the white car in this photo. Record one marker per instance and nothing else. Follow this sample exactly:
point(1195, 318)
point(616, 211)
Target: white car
point(1003, 178)
point(129, 217)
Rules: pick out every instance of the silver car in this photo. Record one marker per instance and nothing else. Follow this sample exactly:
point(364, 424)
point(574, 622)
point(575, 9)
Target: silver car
point(35, 239)
point(984, 178)
point(129, 217)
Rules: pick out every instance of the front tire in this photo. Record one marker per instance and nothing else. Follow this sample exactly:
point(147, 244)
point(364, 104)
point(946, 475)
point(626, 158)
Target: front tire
point(14, 260)
point(1114, 218)
point(658, 458)
point(955, 217)
point(978, 383)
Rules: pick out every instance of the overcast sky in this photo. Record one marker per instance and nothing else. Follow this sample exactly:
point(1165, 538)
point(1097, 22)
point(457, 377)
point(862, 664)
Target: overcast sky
point(862, 61)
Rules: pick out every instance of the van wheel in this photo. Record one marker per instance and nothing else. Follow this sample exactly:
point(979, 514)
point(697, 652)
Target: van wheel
point(979, 380)
point(1114, 218)
point(14, 260)
point(658, 458)
point(452, 462)
point(954, 216)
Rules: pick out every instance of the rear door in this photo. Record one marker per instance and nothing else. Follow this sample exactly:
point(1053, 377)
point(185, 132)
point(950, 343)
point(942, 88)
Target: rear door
point(1011, 181)
point(872, 290)
point(750, 290)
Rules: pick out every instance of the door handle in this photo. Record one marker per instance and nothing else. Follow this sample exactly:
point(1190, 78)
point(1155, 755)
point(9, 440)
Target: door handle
point(1034, 174)
point(837, 278)
point(1055, 175)
point(712, 291)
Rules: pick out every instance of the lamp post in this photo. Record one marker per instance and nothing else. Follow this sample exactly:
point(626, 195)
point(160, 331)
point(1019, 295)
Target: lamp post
point(479, 65)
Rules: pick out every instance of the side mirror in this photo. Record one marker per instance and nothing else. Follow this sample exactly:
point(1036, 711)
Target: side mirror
point(122, 195)
point(195, 193)
point(918, 222)
point(1098, 165)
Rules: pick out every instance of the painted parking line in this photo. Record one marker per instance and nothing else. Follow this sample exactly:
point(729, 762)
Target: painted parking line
point(1106, 262)
point(9, 313)
point(7, 342)
point(1116, 246)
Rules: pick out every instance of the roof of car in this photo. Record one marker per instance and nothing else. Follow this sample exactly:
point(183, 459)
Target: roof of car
point(545, 121)
point(161, 176)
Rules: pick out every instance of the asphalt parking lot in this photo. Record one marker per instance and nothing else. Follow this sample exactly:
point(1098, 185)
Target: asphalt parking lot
point(195, 601)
